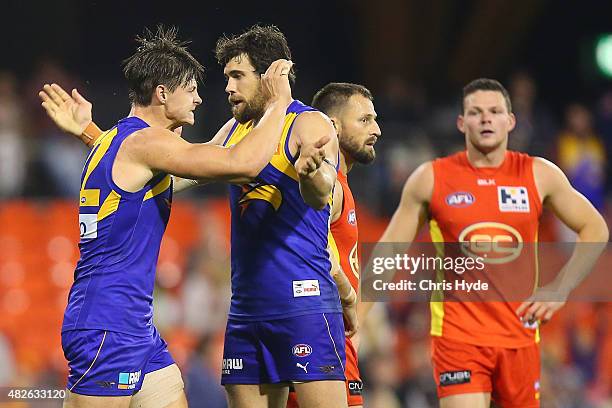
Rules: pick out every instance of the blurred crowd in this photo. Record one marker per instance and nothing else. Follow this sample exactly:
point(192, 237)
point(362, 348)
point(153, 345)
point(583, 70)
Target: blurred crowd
point(39, 163)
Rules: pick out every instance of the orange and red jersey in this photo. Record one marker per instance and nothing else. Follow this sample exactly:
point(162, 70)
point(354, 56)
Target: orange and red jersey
point(496, 209)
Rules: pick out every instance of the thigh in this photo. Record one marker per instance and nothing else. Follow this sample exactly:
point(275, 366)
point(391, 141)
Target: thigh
point(461, 368)
point(73, 400)
point(319, 394)
point(516, 382)
point(105, 363)
point(303, 348)
point(257, 395)
point(470, 400)
point(163, 388)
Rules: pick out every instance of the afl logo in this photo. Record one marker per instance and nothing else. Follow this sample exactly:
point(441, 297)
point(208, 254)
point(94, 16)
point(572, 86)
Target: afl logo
point(494, 242)
point(352, 217)
point(301, 350)
point(460, 199)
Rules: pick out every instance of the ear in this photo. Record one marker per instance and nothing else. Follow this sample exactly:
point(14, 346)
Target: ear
point(511, 121)
point(336, 123)
point(461, 124)
point(161, 94)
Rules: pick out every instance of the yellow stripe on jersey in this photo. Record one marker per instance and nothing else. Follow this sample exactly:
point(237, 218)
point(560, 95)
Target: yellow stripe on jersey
point(159, 188)
point(537, 280)
point(279, 160)
point(332, 245)
point(100, 149)
point(437, 297)
point(89, 198)
point(265, 192)
point(109, 205)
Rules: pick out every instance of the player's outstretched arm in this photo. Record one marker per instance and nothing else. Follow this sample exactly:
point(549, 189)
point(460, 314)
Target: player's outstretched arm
point(318, 157)
point(576, 212)
point(410, 215)
point(162, 150)
point(71, 113)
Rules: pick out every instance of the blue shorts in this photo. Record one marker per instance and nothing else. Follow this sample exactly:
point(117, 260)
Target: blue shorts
point(301, 348)
point(106, 363)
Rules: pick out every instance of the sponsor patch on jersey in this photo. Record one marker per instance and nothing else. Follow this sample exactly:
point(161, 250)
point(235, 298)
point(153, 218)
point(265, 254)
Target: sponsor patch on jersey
point(352, 217)
point(230, 364)
point(355, 387)
point(301, 350)
point(486, 182)
point(309, 287)
point(128, 381)
point(460, 199)
point(513, 199)
point(88, 224)
point(455, 377)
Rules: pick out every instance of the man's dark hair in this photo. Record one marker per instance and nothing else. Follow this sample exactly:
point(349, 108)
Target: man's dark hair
point(486, 84)
point(262, 44)
point(161, 59)
point(334, 95)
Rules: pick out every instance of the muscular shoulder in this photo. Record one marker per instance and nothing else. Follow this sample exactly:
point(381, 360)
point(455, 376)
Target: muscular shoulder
point(419, 186)
point(313, 123)
point(548, 176)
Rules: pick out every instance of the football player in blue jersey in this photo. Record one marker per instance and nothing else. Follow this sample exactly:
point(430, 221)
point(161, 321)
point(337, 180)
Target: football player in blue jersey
point(115, 354)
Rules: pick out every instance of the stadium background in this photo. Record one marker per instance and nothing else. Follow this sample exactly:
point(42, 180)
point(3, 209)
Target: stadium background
point(414, 55)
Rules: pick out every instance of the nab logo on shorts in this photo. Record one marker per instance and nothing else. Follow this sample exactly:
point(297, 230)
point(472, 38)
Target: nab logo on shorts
point(128, 381)
point(455, 377)
point(308, 287)
point(513, 199)
point(355, 387)
point(352, 217)
point(460, 199)
point(301, 350)
point(230, 364)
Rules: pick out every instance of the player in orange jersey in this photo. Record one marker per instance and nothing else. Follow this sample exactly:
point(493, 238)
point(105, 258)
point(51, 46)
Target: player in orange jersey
point(487, 351)
point(350, 108)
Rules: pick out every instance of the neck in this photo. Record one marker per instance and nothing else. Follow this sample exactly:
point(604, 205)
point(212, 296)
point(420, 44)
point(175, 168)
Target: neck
point(346, 163)
point(493, 158)
point(153, 115)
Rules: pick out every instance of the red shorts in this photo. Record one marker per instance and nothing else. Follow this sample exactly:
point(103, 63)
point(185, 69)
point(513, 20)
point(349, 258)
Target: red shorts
point(354, 386)
point(512, 376)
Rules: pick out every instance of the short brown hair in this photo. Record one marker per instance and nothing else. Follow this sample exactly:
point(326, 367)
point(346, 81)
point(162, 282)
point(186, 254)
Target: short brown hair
point(486, 84)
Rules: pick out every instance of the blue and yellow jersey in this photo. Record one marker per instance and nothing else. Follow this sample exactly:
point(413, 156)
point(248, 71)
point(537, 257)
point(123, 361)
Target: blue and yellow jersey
point(280, 263)
point(121, 234)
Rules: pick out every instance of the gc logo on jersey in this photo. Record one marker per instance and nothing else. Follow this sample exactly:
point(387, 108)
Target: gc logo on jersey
point(460, 199)
point(494, 242)
point(513, 199)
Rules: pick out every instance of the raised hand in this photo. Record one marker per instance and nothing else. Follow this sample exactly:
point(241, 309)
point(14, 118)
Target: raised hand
point(275, 82)
point(72, 114)
point(311, 157)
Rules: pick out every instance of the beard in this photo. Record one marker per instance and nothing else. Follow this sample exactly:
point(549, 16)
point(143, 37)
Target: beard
point(359, 153)
point(250, 109)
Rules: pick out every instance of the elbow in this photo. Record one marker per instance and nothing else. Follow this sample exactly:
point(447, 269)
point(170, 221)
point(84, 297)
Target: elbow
point(249, 168)
point(318, 203)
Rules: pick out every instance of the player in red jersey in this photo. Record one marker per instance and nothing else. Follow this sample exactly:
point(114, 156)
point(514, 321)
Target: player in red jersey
point(485, 351)
point(350, 108)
